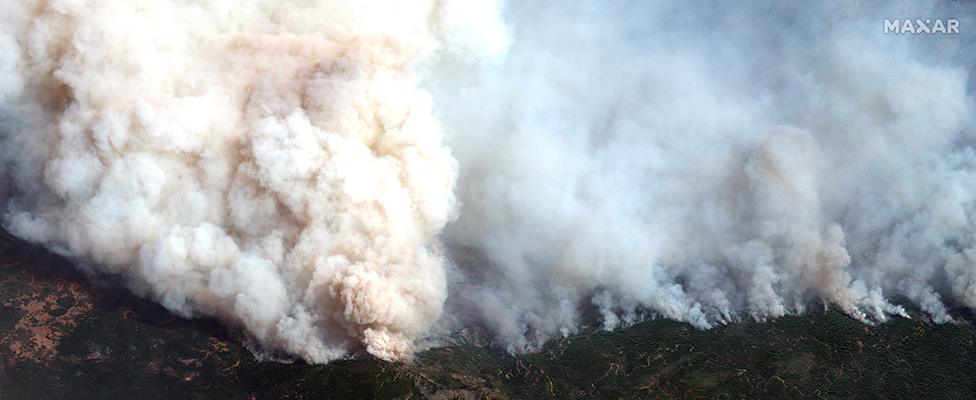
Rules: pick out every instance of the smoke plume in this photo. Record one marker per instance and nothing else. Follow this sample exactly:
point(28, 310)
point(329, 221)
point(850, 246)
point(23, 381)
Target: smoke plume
point(272, 163)
point(708, 162)
point(337, 176)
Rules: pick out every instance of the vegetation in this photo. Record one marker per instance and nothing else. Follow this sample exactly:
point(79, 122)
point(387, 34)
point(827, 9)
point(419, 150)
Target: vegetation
point(62, 336)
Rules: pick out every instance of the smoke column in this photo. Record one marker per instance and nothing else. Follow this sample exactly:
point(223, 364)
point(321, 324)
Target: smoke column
point(334, 177)
point(709, 162)
point(275, 164)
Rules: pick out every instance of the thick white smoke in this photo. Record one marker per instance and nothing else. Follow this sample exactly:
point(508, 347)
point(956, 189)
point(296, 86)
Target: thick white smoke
point(280, 164)
point(272, 163)
point(708, 162)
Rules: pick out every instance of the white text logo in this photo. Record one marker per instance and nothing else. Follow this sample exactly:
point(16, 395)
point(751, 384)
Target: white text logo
point(944, 26)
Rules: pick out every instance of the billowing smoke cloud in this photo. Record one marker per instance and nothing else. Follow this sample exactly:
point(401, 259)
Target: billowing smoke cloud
point(709, 162)
point(280, 164)
point(272, 163)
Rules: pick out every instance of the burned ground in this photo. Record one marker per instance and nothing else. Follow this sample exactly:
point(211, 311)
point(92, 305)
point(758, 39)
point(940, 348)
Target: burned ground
point(62, 336)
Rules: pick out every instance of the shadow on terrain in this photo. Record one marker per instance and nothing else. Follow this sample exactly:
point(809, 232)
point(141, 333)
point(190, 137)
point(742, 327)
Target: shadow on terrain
point(64, 337)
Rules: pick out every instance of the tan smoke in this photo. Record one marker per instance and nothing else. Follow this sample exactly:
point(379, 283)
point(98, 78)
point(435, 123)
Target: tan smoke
point(272, 163)
point(278, 163)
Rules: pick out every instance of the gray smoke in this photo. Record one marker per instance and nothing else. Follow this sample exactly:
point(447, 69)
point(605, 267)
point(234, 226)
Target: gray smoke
point(299, 169)
point(709, 162)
